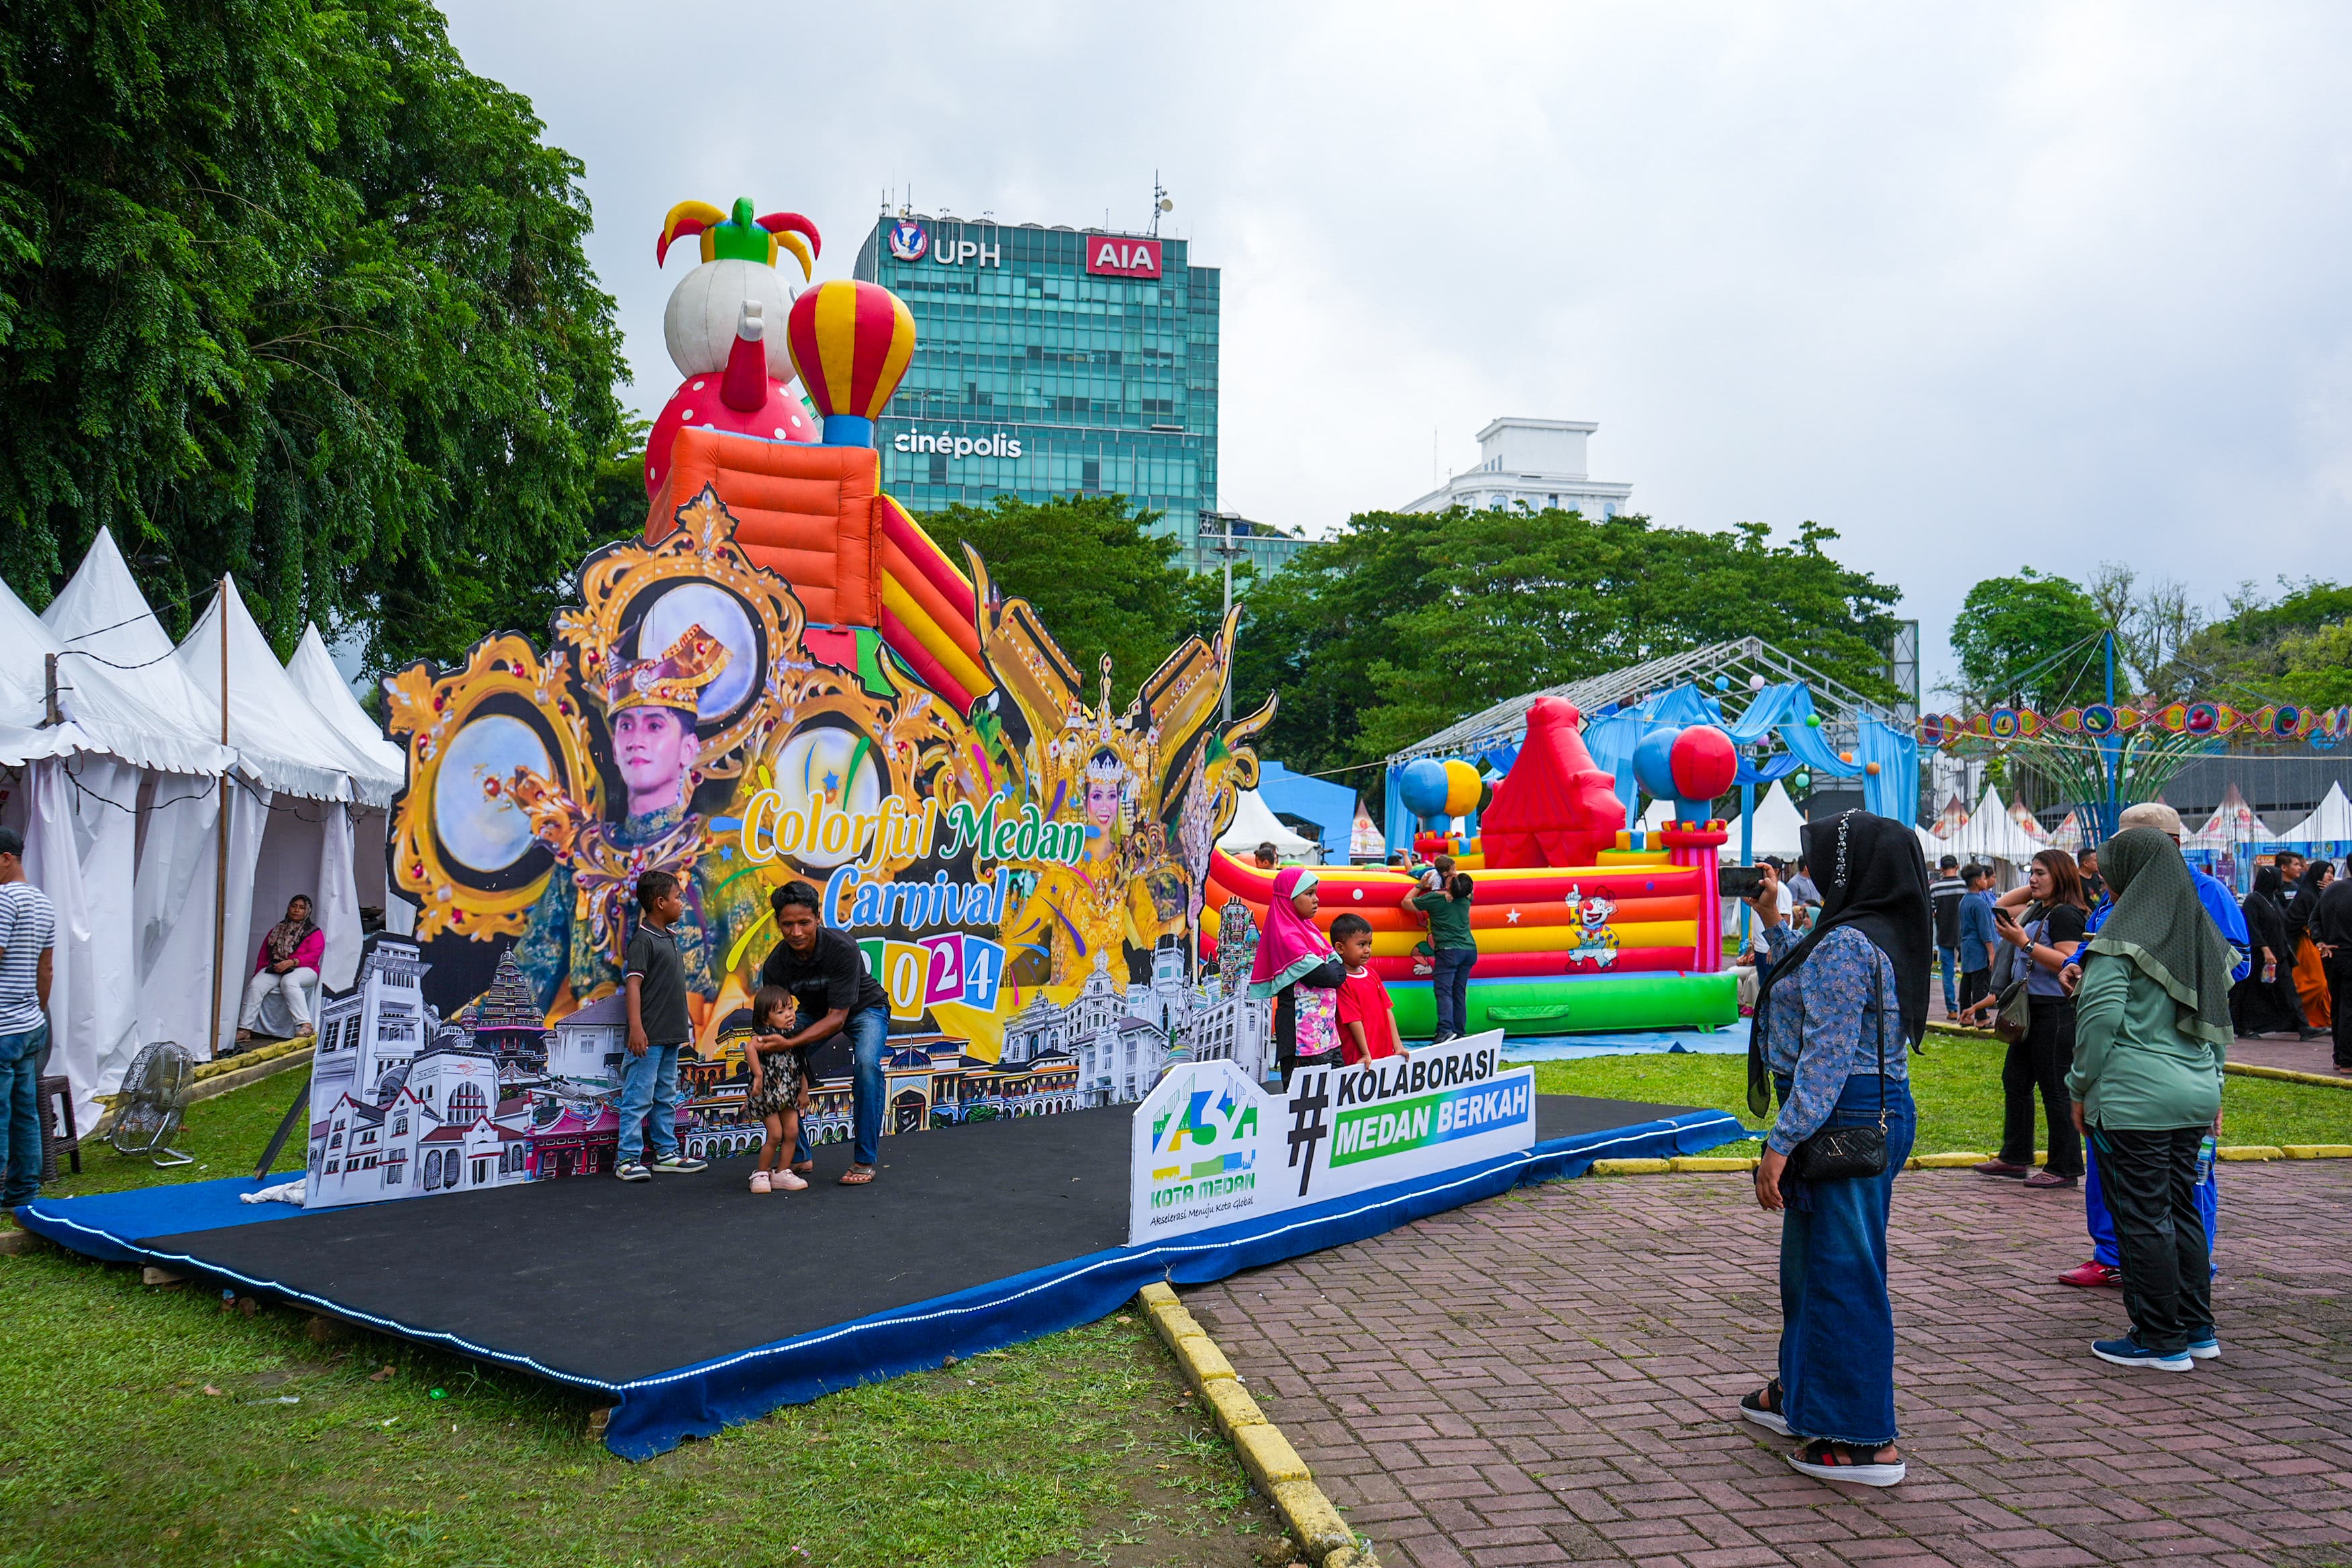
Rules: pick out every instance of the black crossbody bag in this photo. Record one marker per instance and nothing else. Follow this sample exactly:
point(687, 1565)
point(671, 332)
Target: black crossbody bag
point(1841, 1153)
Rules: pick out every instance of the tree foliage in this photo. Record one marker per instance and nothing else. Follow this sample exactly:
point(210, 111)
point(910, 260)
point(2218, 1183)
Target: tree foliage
point(1098, 579)
point(286, 291)
point(2029, 638)
point(2296, 647)
point(1410, 621)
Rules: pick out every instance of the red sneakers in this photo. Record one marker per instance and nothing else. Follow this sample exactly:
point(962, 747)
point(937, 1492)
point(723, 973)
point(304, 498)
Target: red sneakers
point(2092, 1275)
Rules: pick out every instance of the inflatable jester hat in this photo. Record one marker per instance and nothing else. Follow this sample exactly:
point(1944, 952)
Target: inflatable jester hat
point(724, 328)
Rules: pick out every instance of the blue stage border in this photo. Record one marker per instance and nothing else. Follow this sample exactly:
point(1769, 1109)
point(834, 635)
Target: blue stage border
point(652, 1415)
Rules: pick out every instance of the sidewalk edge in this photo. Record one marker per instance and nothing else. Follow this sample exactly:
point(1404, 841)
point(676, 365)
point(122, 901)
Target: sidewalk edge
point(1273, 1464)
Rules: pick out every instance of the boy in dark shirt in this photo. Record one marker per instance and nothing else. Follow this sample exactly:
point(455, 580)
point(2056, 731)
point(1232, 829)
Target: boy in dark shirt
point(658, 1026)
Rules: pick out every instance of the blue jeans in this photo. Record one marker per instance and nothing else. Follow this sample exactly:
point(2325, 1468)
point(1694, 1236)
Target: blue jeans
point(1949, 958)
point(869, 1032)
point(649, 1082)
point(1452, 984)
point(20, 1100)
point(1837, 1325)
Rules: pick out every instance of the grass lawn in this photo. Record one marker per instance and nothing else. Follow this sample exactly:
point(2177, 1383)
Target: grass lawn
point(1957, 1084)
point(142, 1425)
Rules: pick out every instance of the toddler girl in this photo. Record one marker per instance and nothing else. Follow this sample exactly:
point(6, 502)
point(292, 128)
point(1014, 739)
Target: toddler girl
point(778, 1087)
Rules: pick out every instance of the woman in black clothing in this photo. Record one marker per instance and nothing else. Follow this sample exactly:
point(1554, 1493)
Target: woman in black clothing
point(2043, 940)
point(2265, 1002)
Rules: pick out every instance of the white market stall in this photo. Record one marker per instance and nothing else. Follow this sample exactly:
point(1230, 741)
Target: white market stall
point(117, 772)
point(1255, 823)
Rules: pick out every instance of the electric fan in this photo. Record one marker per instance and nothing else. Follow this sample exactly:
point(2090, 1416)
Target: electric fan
point(154, 1097)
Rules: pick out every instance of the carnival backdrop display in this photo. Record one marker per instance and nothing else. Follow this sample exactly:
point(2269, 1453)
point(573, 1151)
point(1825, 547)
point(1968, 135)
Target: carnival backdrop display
point(785, 679)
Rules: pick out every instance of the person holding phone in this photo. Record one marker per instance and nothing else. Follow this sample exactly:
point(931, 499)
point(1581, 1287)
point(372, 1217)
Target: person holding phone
point(2041, 942)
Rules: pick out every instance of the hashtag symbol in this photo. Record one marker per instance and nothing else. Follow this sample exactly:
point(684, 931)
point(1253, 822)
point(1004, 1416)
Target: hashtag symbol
point(1310, 1097)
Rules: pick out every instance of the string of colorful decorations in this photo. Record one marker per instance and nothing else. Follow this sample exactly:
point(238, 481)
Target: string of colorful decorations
point(2325, 727)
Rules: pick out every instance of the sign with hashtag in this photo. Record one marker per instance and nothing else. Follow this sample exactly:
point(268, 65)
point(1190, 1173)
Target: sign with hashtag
point(1212, 1148)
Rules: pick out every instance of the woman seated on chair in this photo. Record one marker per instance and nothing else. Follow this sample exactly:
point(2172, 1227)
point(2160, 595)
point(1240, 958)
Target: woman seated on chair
point(286, 968)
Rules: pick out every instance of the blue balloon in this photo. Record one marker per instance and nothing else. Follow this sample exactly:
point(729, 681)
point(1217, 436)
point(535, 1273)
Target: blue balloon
point(1723, 683)
point(1421, 786)
point(1653, 764)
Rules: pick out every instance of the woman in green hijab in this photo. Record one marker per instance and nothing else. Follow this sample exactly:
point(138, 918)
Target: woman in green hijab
point(2151, 1030)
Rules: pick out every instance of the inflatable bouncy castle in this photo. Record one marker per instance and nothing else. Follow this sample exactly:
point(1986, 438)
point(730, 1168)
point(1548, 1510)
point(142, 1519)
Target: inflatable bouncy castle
point(1579, 928)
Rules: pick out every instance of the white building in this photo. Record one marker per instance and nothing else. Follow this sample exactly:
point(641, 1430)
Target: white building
point(1124, 1038)
point(588, 1046)
point(402, 1114)
point(375, 1027)
point(1538, 463)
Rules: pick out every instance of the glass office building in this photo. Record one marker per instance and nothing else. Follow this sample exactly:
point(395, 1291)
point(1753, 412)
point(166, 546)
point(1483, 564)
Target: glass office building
point(1050, 362)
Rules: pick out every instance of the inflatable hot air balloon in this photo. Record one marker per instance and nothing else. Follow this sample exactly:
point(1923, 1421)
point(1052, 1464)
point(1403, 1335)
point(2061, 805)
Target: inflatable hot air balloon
point(725, 329)
point(851, 342)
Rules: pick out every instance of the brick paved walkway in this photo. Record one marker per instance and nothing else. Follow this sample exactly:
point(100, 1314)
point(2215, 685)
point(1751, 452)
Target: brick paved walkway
point(2278, 1051)
point(1548, 1378)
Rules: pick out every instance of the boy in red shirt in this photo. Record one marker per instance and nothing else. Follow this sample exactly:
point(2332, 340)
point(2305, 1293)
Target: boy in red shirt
point(1367, 1018)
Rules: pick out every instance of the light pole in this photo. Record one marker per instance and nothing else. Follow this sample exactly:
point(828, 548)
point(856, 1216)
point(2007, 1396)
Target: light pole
point(1226, 547)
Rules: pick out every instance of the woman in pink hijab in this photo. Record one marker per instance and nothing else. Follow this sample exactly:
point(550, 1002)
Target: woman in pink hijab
point(1297, 967)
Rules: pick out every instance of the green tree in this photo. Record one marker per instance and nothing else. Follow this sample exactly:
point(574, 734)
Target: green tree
point(1100, 581)
point(1410, 621)
point(2319, 666)
point(2291, 647)
point(2029, 638)
point(286, 291)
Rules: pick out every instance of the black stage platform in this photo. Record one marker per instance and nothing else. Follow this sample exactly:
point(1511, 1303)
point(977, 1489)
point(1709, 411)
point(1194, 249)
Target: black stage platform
point(693, 1303)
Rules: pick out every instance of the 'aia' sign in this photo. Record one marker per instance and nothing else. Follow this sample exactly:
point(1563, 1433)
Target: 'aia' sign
point(1108, 253)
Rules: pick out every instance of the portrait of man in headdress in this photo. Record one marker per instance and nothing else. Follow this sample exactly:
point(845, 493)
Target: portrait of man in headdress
point(574, 935)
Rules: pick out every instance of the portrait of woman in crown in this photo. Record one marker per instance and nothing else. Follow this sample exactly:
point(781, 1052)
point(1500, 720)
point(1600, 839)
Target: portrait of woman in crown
point(575, 933)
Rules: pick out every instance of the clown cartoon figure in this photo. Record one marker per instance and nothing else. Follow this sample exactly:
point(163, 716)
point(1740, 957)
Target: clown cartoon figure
point(574, 935)
point(1595, 943)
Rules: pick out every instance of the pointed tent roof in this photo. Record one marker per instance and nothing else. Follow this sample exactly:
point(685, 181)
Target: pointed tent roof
point(143, 714)
point(313, 669)
point(284, 741)
point(1255, 824)
point(1778, 827)
point(2329, 822)
point(1990, 833)
point(2233, 823)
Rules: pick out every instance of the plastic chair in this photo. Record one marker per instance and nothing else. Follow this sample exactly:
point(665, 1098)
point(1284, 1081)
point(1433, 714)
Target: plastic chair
point(59, 1133)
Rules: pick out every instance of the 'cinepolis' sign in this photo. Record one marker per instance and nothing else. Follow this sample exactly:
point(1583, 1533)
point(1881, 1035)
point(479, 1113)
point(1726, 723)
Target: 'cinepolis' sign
point(947, 444)
point(1120, 257)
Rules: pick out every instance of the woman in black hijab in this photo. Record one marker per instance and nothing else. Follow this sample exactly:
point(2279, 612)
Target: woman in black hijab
point(2265, 1002)
point(1833, 1033)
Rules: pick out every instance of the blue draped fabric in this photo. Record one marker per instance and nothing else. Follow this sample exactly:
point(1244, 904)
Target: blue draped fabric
point(1894, 791)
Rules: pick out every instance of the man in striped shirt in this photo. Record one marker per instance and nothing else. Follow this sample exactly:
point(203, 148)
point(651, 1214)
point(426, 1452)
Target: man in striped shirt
point(29, 931)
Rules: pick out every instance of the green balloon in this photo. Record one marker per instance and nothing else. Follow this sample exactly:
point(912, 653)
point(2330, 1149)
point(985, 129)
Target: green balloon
point(1804, 781)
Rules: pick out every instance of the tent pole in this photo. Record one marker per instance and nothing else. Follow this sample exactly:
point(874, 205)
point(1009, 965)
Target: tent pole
point(220, 839)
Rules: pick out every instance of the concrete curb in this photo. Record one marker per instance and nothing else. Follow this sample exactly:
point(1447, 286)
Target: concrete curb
point(2287, 1075)
point(1272, 1463)
point(1688, 1165)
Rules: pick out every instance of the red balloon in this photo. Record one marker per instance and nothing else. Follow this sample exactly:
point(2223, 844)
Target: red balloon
point(1705, 763)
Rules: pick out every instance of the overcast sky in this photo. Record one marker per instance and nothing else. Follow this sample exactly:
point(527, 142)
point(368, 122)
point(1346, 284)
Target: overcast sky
point(2050, 283)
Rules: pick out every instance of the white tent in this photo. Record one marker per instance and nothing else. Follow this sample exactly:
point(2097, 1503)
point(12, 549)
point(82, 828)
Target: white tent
point(1777, 830)
point(1255, 823)
point(312, 670)
point(120, 700)
point(2329, 823)
point(81, 810)
point(286, 744)
point(1990, 833)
